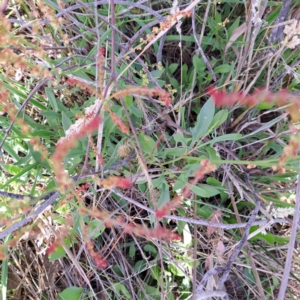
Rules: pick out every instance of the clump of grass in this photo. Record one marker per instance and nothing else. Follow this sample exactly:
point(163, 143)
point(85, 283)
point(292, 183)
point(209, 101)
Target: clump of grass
point(140, 212)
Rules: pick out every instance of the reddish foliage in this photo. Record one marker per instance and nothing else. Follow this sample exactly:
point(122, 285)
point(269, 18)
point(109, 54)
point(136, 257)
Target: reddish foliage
point(81, 85)
point(169, 206)
point(130, 228)
point(164, 95)
point(2, 253)
point(121, 125)
point(157, 233)
point(100, 63)
point(99, 261)
point(64, 146)
point(51, 248)
point(114, 181)
point(223, 99)
point(280, 98)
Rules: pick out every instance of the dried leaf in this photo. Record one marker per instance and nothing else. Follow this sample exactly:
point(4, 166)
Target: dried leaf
point(235, 35)
point(220, 249)
point(216, 219)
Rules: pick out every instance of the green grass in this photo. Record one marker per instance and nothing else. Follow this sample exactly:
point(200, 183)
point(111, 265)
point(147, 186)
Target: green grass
point(168, 145)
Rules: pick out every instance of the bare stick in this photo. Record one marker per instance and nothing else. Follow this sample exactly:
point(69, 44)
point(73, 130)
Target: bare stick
point(30, 218)
point(227, 268)
point(277, 32)
point(289, 257)
point(244, 238)
point(3, 6)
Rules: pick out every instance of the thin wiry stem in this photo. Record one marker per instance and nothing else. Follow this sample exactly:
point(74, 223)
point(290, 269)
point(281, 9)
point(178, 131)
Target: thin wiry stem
point(208, 65)
point(289, 257)
point(227, 268)
point(30, 95)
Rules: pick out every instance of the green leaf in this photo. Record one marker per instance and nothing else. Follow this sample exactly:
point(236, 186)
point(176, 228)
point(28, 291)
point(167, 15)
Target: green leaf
point(96, 224)
point(128, 100)
point(234, 26)
point(173, 67)
point(184, 72)
point(226, 137)
point(60, 251)
point(120, 288)
point(118, 270)
point(140, 266)
point(174, 152)
point(156, 272)
point(24, 171)
point(264, 105)
point(205, 191)
point(164, 196)
point(199, 65)
point(44, 133)
point(269, 237)
point(157, 73)
point(12, 169)
point(214, 182)
point(136, 111)
point(180, 138)
point(148, 144)
point(10, 150)
point(132, 251)
point(151, 249)
point(176, 271)
point(264, 126)
point(203, 121)
point(152, 293)
point(174, 83)
point(51, 114)
point(38, 157)
point(223, 69)
point(219, 118)
point(71, 293)
point(204, 211)
point(66, 121)
point(51, 98)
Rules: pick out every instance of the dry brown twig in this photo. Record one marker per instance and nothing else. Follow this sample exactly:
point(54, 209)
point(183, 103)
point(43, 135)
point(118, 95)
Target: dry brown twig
point(3, 6)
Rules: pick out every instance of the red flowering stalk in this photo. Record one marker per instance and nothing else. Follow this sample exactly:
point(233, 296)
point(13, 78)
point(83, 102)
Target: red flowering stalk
point(120, 124)
point(100, 63)
point(38, 146)
point(50, 13)
point(206, 168)
point(280, 98)
point(283, 97)
point(65, 145)
point(291, 150)
point(2, 252)
point(167, 24)
point(98, 155)
point(158, 232)
point(80, 84)
point(114, 182)
point(169, 206)
point(99, 261)
point(52, 247)
point(164, 95)
point(82, 188)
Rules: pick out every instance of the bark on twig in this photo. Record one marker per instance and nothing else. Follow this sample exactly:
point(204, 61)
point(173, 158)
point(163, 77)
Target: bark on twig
point(3, 6)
